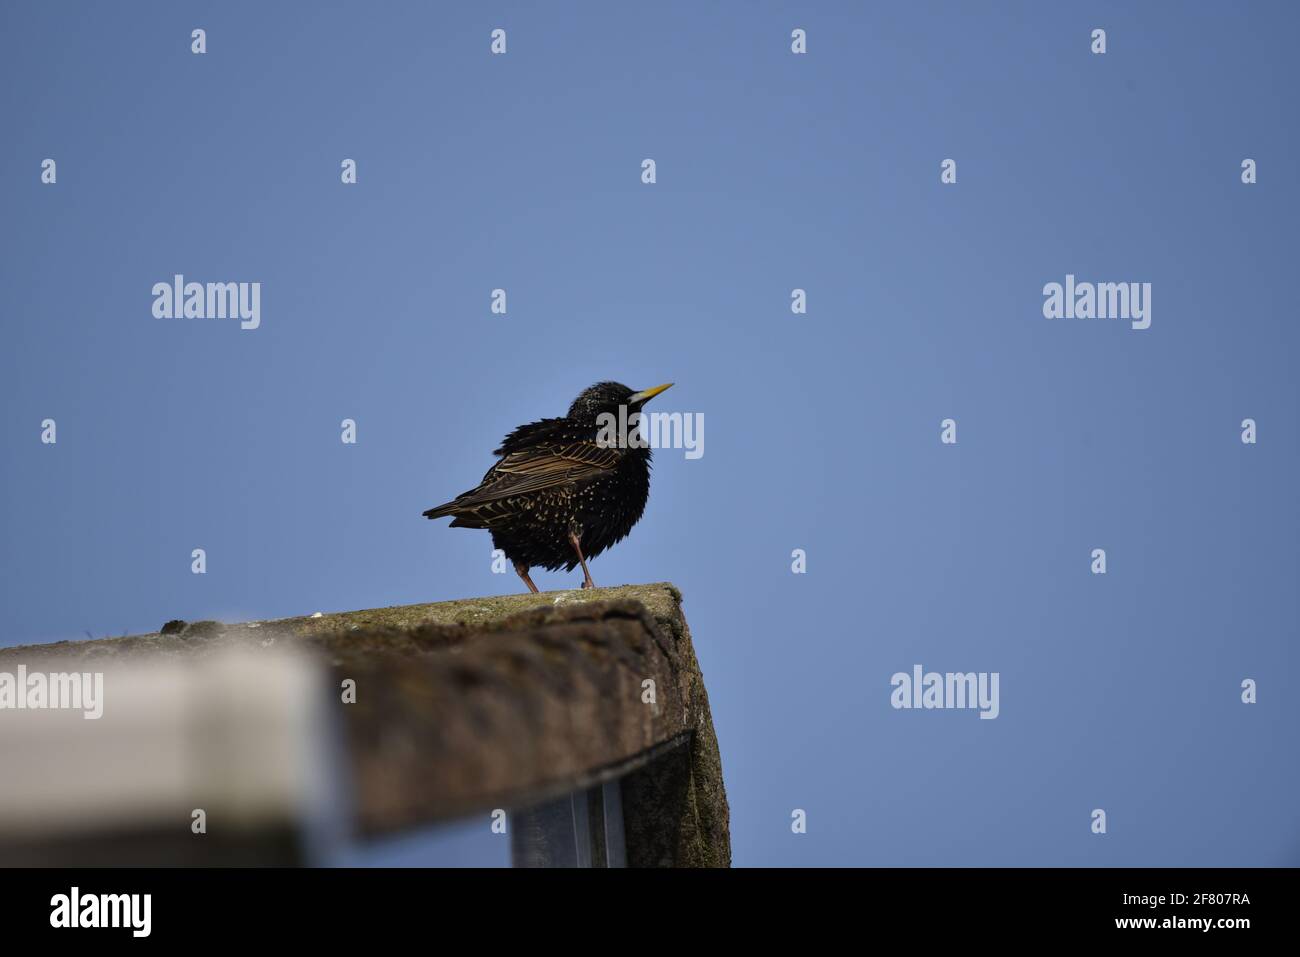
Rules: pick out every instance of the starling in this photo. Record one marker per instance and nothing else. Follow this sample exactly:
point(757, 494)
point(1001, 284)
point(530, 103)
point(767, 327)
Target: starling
point(562, 492)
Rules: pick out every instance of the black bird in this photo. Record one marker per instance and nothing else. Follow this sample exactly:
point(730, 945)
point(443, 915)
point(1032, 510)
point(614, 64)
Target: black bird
point(562, 491)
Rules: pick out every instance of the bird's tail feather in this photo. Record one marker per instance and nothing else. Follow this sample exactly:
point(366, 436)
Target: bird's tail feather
point(460, 519)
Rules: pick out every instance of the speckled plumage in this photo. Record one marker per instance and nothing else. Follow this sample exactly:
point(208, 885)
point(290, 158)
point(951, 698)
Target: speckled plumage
point(555, 480)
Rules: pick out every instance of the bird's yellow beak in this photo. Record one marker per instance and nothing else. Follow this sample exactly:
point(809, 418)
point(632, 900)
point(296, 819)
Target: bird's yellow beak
point(647, 394)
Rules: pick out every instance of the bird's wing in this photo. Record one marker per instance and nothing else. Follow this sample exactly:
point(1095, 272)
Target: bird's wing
point(541, 467)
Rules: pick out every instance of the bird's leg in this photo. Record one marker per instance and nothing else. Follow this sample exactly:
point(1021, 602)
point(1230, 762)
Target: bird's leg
point(522, 570)
point(586, 572)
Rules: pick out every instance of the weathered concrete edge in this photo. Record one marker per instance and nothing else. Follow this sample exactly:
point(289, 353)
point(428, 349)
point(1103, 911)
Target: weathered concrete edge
point(662, 600)
point(703, 837)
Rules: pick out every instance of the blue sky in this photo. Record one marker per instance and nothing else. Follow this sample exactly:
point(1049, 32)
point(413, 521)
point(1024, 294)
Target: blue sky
point(775, 171)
